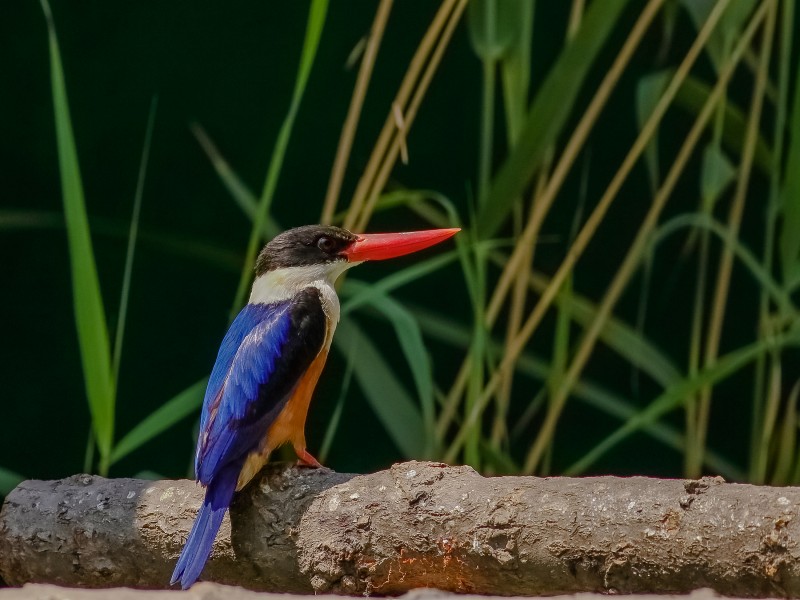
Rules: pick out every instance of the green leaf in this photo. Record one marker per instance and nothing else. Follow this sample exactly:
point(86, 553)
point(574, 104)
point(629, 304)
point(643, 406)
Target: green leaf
point(549, 112)
point(494, 25)
point(716, 174)
point(8, 481)
point(410, 337)
point(692, 96)
point(179, 407)
point(648, 92)
point(729, 26)
point(515, 68)
point(392, 404)
point(90, 316)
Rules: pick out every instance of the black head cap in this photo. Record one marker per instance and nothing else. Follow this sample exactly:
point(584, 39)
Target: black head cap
point(307, 245)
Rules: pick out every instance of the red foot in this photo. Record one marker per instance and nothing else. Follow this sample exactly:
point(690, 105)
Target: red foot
point(306, 460)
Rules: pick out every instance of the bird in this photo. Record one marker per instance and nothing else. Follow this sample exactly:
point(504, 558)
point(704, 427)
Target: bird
point(269, 362)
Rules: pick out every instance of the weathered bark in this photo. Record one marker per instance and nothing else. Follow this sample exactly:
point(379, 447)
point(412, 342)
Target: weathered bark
point(417, 524)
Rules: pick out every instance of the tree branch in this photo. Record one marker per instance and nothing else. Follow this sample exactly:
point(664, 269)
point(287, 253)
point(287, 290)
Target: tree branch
point(416, 524)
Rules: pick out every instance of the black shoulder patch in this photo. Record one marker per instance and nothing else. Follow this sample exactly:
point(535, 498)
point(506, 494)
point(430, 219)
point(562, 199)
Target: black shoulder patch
point(308, 328)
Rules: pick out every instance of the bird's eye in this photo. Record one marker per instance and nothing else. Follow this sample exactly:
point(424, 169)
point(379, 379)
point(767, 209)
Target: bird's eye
point(326, 244)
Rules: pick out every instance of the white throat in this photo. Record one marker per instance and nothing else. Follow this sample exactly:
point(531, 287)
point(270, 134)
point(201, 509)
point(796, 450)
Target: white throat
point(283, 284)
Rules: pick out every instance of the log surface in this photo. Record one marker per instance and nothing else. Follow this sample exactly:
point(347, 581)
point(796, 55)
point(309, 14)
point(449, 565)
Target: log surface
point(215, 591)
point(415, 525)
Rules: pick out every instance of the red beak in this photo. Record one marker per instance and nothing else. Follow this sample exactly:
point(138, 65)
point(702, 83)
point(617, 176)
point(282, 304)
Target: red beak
point(378, 246)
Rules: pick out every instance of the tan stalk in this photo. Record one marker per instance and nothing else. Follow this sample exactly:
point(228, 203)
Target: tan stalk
point(717, 316)
point(354, 111)
point(519, 295)
point(567, 159)
point(407, 119)
point(592, 223)
point(633, 258)
point(575, 17)
point(526, 240)
point(773, 404)
point(406, 87)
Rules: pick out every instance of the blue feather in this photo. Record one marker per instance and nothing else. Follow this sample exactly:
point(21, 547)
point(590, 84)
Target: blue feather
point(262, 357)
point(201, 539)
point(246, 359)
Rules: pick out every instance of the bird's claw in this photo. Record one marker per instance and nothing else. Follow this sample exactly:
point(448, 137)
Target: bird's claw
point(305, 459)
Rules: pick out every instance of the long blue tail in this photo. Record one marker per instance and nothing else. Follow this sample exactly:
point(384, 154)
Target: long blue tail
point(198, 546)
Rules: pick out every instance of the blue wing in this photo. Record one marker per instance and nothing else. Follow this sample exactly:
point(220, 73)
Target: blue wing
point(262, 357)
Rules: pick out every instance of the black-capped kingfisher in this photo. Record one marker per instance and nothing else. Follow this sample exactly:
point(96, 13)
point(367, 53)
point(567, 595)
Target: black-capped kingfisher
point(269, 363)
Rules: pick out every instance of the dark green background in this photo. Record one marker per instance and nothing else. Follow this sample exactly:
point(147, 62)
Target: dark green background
point(230, 67)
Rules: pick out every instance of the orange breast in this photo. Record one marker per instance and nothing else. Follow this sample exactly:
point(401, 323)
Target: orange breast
point(290, 424)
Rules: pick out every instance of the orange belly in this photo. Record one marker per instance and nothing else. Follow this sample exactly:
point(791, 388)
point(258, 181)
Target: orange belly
point(290, 424)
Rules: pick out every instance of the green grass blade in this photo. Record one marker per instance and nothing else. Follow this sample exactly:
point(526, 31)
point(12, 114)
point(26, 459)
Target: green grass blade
point(195, 249)
point(392, 404)
point(17, 219)
point(366, 294)
point(762, 277)
point(363, 294)
point(675, 395)
point(410, 337)
point(617, 335)
point(336, 417)
point(8, 481)
point(549, 112)
point(241, 194)
point(179, 407)
point(90, 317)
point(133, 235)
point(316, 21)
point(515, 69)
point(149, 475)
point(624, 340)
point(790, 201)
point(787, 440)
point(456, 334)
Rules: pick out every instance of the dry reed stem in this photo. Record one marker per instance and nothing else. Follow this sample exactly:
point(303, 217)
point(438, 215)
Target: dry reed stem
point(354, 111)
point(519, 295)
point(407, 119)
point(406, 87)
point(717, 317)
point(593, 222)
point(633, 257)
point(541, 208)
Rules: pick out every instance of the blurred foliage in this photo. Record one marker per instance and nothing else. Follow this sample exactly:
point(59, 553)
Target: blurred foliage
point(621, 298)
